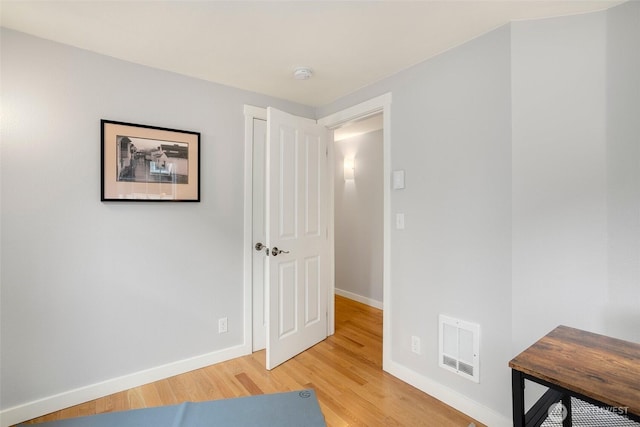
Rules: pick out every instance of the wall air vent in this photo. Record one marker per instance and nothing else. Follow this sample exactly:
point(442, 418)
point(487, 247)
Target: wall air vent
point(459, 347)
point(450, 361)
point(465, 368)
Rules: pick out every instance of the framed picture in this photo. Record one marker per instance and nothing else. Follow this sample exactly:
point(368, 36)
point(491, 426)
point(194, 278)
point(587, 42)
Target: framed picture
point(148, 163)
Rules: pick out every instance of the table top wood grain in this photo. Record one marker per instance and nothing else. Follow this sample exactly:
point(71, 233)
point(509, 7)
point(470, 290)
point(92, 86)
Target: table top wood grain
point(597, 366)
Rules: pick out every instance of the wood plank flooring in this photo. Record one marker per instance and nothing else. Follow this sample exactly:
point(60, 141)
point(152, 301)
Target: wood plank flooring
point(345, 371)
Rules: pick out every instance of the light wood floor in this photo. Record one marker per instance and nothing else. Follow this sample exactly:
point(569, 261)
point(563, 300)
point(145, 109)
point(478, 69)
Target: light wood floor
point(345, 371)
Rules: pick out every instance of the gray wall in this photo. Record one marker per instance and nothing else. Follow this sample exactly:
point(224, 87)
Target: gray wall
point(451, 133)
point(559, 175)
point(92, 291)
point(358, 218)
point(521, 150)
point(621, 316)
point(559, 257)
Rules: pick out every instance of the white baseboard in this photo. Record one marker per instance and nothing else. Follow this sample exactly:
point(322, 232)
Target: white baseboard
point(69, 398)
point(364, 300)
point(451, 397)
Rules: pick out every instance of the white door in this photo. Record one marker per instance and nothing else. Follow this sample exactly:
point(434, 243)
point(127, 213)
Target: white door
point(297, 218)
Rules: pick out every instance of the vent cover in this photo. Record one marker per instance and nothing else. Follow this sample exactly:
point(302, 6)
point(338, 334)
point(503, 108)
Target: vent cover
point(459, 347)
point(450, 361)
point(465, 368)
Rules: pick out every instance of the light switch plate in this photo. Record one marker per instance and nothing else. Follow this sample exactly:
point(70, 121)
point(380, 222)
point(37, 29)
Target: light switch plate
point(398, 180)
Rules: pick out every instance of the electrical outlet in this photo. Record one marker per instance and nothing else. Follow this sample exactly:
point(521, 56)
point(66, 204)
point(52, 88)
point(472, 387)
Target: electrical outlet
point(222, 325)
point(415, 344)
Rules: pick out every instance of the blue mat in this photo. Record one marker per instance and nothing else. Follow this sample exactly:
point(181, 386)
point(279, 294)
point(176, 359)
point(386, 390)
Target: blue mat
point(294, 409)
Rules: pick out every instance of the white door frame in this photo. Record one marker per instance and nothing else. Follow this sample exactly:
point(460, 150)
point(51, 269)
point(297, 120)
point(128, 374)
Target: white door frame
point(250, 113)
point(380, 104)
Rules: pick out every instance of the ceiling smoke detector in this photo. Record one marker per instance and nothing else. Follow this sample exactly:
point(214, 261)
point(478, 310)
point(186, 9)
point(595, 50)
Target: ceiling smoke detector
point(302, 73)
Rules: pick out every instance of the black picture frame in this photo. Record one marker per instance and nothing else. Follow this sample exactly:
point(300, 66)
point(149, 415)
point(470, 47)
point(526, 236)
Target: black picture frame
point(142, 163)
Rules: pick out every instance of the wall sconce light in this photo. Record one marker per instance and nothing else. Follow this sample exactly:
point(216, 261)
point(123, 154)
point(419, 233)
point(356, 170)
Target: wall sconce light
point(349, 168)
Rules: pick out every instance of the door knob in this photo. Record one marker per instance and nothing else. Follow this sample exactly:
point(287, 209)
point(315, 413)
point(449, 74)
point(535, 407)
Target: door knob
point(275, 251)
point(260, 247)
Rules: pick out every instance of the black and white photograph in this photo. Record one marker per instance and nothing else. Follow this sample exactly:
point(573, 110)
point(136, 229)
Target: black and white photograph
point(151, 160)
point(149, 163)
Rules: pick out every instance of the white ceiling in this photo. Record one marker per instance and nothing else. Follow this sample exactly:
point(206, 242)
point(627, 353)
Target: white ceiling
point(359, 127)
point(256, 45)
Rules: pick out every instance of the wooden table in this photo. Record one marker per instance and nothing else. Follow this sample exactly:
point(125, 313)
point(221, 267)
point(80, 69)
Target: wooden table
point(601, 370)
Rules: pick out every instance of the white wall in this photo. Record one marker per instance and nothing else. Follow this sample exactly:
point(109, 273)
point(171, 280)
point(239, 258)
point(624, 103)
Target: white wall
point(521, 152)
point(94, 291)
point(358, 219)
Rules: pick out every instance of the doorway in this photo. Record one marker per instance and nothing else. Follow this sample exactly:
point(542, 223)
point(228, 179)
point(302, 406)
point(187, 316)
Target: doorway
point(358, 210)
point(369, 108)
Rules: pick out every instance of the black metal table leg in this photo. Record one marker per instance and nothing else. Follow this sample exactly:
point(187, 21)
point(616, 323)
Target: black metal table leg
point(517, 393)
point(566, 401)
